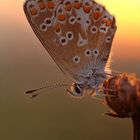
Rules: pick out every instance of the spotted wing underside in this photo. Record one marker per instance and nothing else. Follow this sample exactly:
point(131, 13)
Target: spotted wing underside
point(76, 33)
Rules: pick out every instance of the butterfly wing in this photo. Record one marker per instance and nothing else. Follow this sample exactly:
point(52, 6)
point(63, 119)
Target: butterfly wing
point(77, 34)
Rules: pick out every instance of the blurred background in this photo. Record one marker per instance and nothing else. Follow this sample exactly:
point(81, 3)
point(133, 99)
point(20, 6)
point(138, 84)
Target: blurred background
point(24, 64)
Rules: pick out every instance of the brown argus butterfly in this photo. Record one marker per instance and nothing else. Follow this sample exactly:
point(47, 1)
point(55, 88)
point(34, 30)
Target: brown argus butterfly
point(78, 35)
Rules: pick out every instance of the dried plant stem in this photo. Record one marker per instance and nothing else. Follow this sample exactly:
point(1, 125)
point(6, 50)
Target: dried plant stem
point(136, 126)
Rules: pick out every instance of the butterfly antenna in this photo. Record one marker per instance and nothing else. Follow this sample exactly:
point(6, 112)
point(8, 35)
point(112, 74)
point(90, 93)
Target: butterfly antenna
point(35, 92)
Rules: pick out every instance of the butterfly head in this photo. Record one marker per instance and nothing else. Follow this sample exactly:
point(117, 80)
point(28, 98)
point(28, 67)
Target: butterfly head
point(76, 90)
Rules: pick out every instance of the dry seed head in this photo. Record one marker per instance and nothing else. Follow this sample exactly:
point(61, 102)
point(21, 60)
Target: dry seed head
point(124, 100)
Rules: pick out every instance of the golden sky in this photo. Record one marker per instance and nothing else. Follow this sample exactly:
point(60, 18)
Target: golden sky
point(127, 39)
point(127, 12)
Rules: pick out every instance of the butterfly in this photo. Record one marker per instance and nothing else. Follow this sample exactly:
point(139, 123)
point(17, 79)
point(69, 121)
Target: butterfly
point(78, 35)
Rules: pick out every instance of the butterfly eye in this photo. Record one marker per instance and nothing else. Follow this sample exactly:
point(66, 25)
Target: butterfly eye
point(63, 41)
point(96, 52)
point(72, 20)
point(93, 29)
point(43, 27)
point(69, 35)
point(76, 59)
point(76, 90)
point(88, 52)
point(108, 39)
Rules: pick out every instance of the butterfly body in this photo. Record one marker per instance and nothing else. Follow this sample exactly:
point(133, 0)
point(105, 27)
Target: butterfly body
point(77, 34)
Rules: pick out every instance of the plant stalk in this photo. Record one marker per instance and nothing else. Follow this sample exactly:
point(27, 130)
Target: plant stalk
point(136, 126)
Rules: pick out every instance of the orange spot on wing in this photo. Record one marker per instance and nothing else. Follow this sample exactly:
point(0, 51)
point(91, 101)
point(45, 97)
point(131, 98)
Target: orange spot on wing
point(77, 5)
point(33, 11)
point(104, 20)
point(68, 7)
point(108, 22)
point(61, 17)
point(50, 5)
point(42, 5)
point(87, 9)
point(97, 15)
